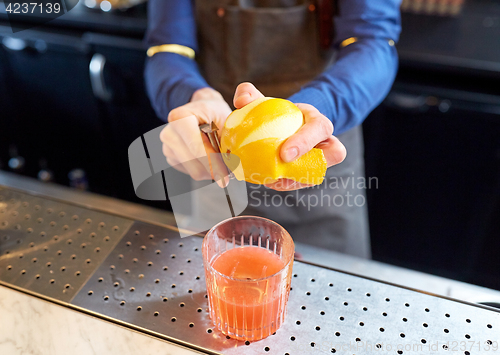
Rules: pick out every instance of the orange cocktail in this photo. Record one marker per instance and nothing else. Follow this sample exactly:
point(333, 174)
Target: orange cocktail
point(248, 266)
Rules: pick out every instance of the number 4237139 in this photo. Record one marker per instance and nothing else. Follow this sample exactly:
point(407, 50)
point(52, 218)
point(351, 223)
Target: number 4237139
point(33, 8)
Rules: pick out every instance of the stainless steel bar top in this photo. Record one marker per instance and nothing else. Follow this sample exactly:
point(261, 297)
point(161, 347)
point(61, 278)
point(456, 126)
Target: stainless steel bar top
point(126, 263)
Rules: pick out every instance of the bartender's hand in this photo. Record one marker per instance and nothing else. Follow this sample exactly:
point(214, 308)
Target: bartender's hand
point(181, 144)
point(315, 133)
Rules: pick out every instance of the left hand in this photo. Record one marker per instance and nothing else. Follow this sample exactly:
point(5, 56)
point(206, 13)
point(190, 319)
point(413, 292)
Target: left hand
point(315, 133)
point(182, 146)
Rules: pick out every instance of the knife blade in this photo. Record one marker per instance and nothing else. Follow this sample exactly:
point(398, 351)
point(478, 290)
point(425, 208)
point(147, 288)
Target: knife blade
point(210, 130)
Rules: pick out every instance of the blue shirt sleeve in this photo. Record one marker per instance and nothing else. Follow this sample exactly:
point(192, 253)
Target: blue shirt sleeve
point(171, 79)
point(364, 71)
point(345, 93)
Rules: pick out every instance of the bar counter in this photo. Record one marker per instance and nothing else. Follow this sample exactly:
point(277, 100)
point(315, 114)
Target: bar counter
point(89, 274)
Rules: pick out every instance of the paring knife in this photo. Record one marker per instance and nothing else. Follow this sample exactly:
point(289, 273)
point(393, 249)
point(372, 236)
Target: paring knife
point(210, 129)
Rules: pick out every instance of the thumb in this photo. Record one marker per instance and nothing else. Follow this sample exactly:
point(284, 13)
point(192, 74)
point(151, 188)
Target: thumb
point(317, 128)
point(246, 93)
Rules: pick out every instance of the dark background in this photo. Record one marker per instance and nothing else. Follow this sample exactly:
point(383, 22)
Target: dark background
point(433, 144)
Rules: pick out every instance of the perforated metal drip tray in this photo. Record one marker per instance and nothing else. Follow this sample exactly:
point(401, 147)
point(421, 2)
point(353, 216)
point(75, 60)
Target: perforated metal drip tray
point(147, 278)
point(52, 248)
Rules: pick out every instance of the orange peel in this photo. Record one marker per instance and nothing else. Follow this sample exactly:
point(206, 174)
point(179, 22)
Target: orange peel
point(256, 132)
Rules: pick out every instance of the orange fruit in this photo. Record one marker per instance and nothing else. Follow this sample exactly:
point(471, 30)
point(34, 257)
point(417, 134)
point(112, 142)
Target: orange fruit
point(255, 134)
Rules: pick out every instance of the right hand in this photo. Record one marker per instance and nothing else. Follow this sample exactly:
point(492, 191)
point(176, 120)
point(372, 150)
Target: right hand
point(181, 144)
point(316, 132)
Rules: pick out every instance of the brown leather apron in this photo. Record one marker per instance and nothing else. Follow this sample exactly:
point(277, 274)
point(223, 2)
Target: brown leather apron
point(272, 43)
point(275, 45)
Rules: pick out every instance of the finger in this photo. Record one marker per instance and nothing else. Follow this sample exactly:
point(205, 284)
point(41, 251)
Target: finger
point(178, 113)
point(334, 151)
point(188, 129)
point(246, 93)
point(188, 147)
point(171, 143)
point(173, 150)
point(167, 152)
point(287, 185)
point(316, 129)
point(196, 170)
point(184, 156)
point(176, 165)
point(167, 136)
point(282, 185)
point(166, 133)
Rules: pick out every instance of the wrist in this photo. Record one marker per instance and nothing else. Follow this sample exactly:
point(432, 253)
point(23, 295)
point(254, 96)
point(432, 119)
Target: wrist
point(206, 94)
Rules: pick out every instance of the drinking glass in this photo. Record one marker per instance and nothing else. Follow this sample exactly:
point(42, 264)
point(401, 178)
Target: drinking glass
point(248, 267)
